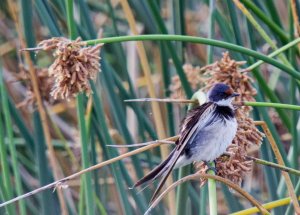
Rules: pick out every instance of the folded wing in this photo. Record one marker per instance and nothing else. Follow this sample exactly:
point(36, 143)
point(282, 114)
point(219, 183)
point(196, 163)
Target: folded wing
point(194, 120)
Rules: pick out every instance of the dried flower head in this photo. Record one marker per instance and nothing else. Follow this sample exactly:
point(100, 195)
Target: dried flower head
point(45, 84)
point(237, 166)
point(73, 67)
point(194, 78)
point(281, 129)
point(227, 71)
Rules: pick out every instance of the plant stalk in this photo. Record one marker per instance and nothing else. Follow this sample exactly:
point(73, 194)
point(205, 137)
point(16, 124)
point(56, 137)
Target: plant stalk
point(212, 191)
point(11, 142)
point(200, 40)
point(268, 206)
point(57, 172)
point(87, 180)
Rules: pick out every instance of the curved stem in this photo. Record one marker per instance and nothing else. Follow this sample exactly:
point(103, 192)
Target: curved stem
point(260, 30)
point(242, 103)
point(280, 160)
point(266, 19)
point(55, 166)
point(59, 183)
point(275, 53)
point(198, 175)
point(201, 40)
point(158, 116)
point(268, 206)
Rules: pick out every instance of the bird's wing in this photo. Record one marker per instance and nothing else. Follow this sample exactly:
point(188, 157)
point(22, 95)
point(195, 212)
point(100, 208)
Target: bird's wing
point(194, 120)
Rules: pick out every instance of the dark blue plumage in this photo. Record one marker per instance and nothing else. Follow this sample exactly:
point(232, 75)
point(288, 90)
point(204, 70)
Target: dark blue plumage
point(219, 92)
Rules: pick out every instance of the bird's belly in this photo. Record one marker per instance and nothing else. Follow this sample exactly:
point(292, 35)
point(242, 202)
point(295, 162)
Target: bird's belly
point(212, 141)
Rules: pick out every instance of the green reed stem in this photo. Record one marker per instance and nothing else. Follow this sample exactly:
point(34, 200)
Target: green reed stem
point(274, 165)
point(273, 25)
point(275, 53)
point(70, 19)
point(85, 156)
point(87, 180)
point(200, 40)
point(262, 32)
point(212, 191)
point(11, 143)
point(274, 105)
point(5, 174)
point(268, 206)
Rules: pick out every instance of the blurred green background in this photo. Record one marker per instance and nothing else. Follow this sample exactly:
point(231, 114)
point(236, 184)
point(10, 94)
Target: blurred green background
point(79, 135)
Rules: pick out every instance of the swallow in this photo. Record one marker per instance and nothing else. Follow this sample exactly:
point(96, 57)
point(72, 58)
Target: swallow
point(205, 134)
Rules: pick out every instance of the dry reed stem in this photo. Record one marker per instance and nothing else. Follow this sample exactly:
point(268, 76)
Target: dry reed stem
point(198, 176)
point(254, 159)
point(155, 107)
point(149, 145)
point(194, 77)
point(62, 182)
point(295, 17)
point(261, 31)
point(256, 25)
point(273, 165)
point(268, 206)
point(89, 108)
point(161, 100)
point(74, 161)
point(73, 68)
point(142, 144)
point(52, 158)
point(281, 162)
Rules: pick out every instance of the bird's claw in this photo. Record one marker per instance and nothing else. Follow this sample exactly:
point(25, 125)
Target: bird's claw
point(210, 167)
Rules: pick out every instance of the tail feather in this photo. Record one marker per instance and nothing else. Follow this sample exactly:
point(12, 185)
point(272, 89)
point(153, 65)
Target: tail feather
point(155, 173)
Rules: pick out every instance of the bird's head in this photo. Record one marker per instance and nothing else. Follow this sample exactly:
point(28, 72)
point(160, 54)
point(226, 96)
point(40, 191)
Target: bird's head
point(221, 94)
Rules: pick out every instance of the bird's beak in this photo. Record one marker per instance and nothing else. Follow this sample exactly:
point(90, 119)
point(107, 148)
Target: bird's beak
point(235, 94)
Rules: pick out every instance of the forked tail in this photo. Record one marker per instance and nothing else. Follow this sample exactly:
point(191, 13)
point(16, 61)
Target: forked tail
point(156, 172)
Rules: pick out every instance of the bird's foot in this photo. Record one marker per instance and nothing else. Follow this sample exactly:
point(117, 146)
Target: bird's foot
point(211, 167)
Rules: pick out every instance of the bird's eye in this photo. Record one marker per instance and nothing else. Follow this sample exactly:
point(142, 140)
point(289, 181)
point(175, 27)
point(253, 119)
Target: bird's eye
point(225, 95)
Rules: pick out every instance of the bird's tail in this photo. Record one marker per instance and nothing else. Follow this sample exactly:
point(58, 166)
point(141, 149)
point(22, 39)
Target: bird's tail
point(156, 172)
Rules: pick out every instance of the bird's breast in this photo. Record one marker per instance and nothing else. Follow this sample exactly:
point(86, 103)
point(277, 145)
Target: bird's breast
point(212, 140)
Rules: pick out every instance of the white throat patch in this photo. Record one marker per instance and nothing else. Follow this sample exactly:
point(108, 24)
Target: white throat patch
point(225, 102)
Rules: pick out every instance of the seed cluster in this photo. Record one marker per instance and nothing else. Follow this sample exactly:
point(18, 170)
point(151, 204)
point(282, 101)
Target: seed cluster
point(74, 66)
point(45, 84)
point(227, 71)
point(194, 77)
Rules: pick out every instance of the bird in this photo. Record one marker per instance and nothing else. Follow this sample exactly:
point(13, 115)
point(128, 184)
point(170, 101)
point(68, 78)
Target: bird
point(205, 133)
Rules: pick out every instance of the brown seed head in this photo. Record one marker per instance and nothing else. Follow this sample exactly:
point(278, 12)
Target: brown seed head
point(194, 78)
point(74, 66)
point(45, 84)
point(227, 71)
